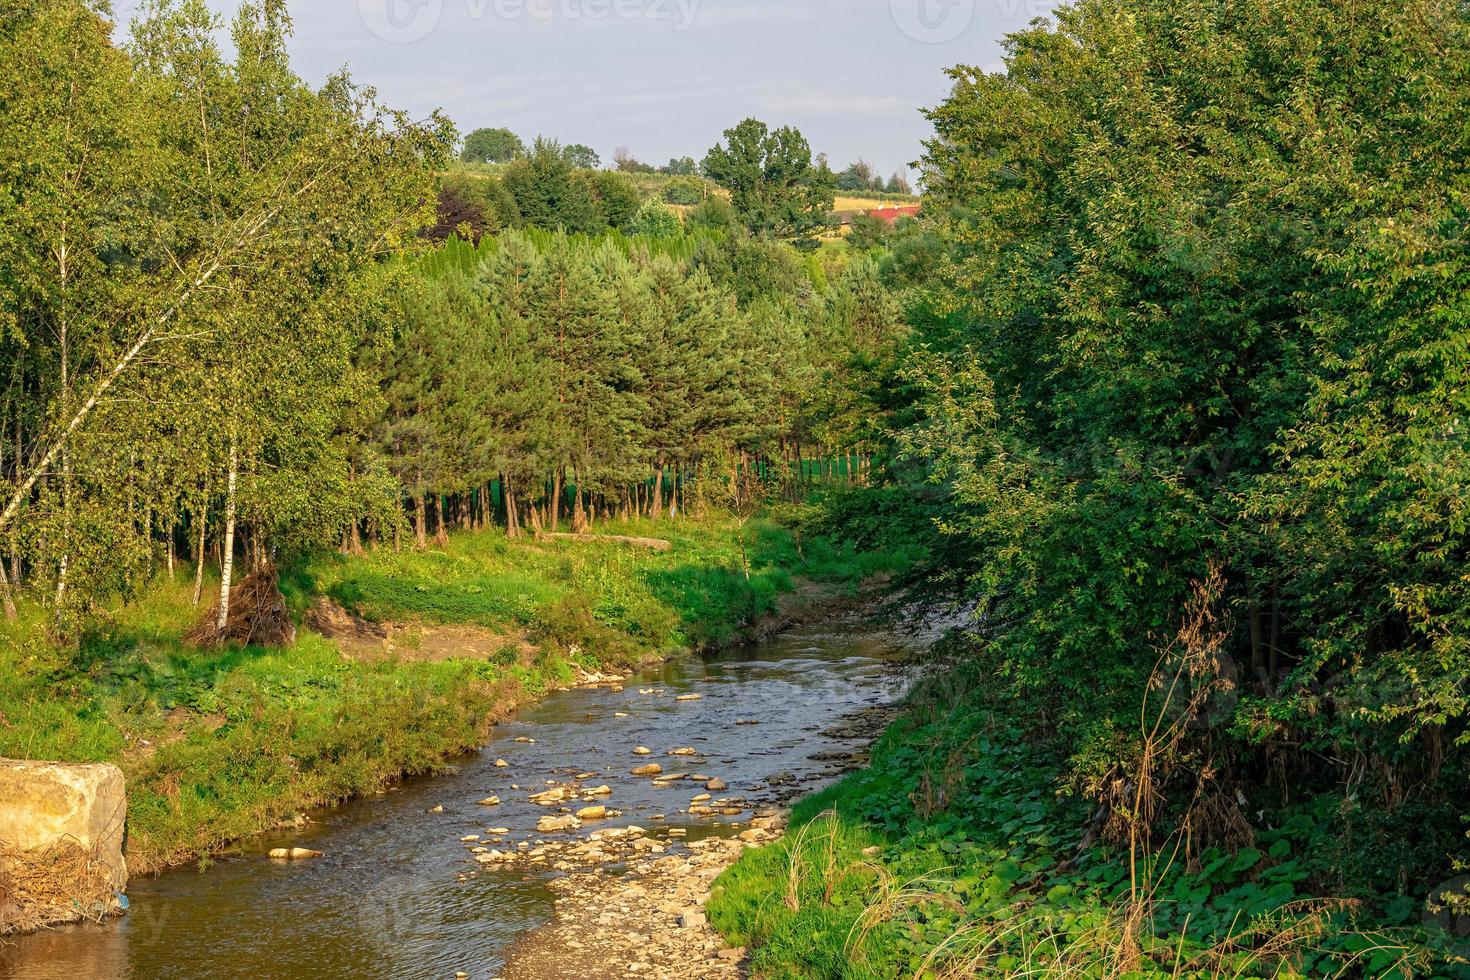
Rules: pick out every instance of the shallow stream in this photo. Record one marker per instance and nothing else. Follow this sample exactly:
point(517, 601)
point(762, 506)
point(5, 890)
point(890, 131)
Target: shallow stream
point(397, 894)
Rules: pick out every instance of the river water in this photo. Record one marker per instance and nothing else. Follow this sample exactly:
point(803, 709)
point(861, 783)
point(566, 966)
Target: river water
point(398, 895)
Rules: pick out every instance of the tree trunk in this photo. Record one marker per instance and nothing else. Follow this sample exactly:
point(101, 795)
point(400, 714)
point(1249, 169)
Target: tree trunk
point(14, 534)
point(199, 556)
point(579, 512)
point(441, 528)
point(227, 554)
point(556, 488)
point(169, 550)
point(512, 518)
point(420, 521)
point(10, 612)
point(656, 505)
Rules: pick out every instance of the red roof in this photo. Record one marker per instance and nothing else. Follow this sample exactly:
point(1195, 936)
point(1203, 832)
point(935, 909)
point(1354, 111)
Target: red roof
point(892, 214)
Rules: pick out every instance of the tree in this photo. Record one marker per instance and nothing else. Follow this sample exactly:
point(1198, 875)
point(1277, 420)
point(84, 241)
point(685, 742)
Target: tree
point(215, 367)
point(858, 176)
point(655, 220)
point(626, 163)
point(680, 167)
point(684, 190)
point(581, 156)
point(714, 212)
point(617, 198)
point(550, 194)
point(1194, 321)
point(491, 146)
point(773, 185)
point(898, 184)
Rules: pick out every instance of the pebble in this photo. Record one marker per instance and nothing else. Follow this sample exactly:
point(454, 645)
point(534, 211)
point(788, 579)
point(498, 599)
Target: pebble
point(652, 769)
point(501, 763)
point(293, 853)
point(490, 801)
point(437, 809)
point(689, 697)
point(643, 750)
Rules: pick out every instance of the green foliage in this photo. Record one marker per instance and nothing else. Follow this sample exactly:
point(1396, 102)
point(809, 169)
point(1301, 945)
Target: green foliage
point(655, 219)
point(773, 185)
point(184, 249)
point(551, 193)
point(687, 191)
point(498, 145)
point(952, 851)
point(681, 167)
point(1175, 321)
point(581, 156)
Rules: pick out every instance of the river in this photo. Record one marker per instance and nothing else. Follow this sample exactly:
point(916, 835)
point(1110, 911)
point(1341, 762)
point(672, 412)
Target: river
point(397, 894)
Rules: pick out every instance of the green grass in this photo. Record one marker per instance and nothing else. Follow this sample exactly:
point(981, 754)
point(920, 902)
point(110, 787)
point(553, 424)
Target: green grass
point(953, 851)
point(217, 745)
point(647, 601)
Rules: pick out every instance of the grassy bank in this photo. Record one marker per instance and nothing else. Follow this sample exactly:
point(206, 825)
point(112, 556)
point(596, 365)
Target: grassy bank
point(217, 745)
point(954, 855)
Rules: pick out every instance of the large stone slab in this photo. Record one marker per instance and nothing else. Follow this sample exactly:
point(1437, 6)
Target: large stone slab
point(43, 803)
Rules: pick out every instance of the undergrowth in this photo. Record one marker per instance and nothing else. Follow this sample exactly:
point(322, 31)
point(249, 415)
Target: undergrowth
point(953, 855)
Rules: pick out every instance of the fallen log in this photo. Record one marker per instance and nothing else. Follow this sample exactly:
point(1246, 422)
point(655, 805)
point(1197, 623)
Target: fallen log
point(657, 544)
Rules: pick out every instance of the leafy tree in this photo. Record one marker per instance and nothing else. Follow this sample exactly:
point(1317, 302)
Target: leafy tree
point(680, 167)
point(617, 198)
point(550, 194)
point(859, 176)
point(581, 156)
point(684, 190)
point(492, 146)
point(216, 218)
point(715, 212)
point(1194, 320)
point(655, 220)
point(868, 232)
point(773, 185)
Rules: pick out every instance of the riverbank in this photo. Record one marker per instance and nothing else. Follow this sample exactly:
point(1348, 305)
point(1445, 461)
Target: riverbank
point(954, 853)
point(219, 745)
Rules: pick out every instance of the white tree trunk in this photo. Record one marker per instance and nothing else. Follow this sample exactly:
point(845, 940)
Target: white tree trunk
point(227, 556)
point(10, 613)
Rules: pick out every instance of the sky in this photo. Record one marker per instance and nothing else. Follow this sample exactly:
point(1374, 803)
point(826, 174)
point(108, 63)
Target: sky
point(664, 78)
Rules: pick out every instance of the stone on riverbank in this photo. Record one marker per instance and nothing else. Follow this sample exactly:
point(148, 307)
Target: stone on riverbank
point(61, 836)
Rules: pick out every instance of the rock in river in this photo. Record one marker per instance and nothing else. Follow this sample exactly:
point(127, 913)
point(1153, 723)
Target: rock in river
point(548, 825)
point(293, 853)
point(652, 769)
